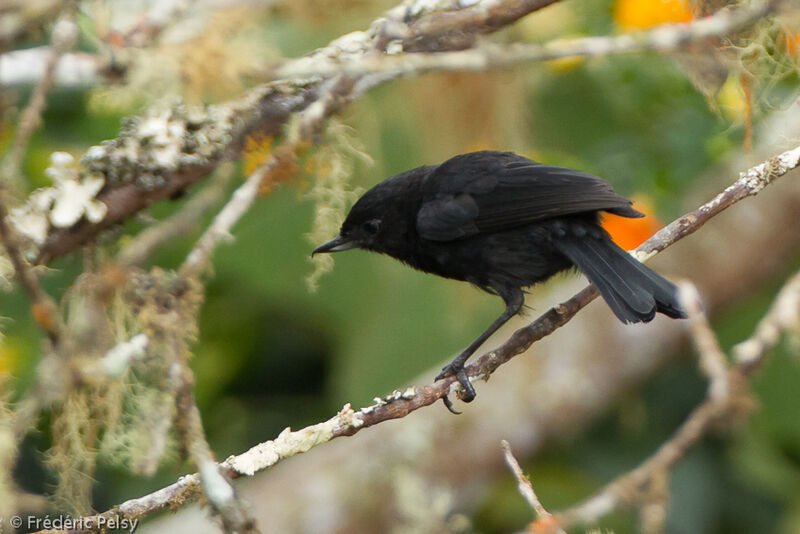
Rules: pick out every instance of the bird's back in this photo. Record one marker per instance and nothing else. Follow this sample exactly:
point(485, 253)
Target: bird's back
point(484, 192)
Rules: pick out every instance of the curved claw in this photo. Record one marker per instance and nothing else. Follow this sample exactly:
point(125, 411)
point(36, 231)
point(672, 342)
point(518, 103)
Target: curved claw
point(449, 405)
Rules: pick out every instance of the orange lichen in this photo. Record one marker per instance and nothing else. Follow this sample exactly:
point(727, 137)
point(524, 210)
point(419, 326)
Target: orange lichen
point(44, 316)
point(285, 168)
point(547, 523)
point(257, 148)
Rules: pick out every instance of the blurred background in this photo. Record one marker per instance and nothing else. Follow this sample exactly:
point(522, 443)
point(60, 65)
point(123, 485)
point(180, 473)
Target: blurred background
point(668, 131)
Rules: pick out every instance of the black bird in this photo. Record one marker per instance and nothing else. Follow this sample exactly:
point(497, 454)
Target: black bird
point(504, 222)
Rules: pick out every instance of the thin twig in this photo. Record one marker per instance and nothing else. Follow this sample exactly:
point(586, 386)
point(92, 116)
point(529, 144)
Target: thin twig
point(185, 220)
point(713, 363)
point(783, 315)
point(237, 206)
point(524, 485)
point(45, 313)
point(42, 306)
point(400, 403)
point(653, 511)
point(631, 487)
point(65, 34)
point(219, 492)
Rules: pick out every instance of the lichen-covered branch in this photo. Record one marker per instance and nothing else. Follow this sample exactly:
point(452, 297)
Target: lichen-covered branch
point(493, 56)
point(159, 155)
point(401, 403)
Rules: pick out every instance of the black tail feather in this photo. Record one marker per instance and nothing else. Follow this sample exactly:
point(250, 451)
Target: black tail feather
point(633, 292)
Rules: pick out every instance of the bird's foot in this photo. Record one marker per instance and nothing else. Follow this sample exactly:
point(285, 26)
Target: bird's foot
point(468, 392)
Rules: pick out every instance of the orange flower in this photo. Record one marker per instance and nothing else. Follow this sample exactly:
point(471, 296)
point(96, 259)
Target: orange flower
point(630, 233)
point(642, 14)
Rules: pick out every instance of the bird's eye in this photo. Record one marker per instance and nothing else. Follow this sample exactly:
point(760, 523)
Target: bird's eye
point(371, 227)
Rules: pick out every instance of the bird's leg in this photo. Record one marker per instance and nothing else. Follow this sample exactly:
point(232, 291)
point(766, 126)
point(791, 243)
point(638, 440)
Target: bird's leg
point(514, 301)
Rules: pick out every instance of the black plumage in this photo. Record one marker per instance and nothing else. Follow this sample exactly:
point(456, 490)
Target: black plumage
point(503, 222)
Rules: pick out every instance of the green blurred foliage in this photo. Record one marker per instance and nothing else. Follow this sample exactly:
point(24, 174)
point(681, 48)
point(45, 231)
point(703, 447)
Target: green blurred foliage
point(271, 354)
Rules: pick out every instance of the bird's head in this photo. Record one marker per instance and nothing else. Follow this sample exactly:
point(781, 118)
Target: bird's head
point(382, 218)
point(361, 229)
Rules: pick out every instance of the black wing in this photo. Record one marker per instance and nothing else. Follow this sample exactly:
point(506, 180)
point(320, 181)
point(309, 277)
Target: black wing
point(493, 191)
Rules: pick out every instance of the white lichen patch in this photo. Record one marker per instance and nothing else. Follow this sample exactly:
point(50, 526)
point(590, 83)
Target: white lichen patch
point(75, 199)
point(352, 43)
point(642, 255)
point(117, 360)
point(417, 8)
point(32, 218)
point(757, 178)
point(394, 47)
point(152, 147)
point(164, 134)
point(348, 417)
point(72, 196)
point(289, 443)
point(790, 159)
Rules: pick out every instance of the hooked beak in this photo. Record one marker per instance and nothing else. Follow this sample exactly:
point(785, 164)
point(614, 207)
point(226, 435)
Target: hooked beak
point(337, 244)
